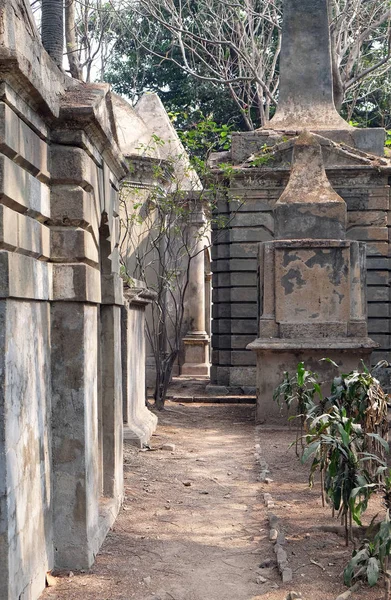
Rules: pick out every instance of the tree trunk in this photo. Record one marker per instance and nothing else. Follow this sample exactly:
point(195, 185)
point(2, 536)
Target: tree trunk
point(53, 29)
point(71, 41)
point(338, 87)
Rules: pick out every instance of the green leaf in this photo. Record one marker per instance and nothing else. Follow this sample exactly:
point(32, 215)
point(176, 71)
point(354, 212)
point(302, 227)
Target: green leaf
point(311, 449)
point(330, 361)
point(373, 570)
point(379, 439)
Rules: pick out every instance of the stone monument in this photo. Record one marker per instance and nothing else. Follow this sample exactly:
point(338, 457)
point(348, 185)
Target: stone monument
point(356, 169)
point(312, 280)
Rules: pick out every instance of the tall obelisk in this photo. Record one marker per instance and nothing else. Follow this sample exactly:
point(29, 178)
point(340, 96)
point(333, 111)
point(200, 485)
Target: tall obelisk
point(306, 81)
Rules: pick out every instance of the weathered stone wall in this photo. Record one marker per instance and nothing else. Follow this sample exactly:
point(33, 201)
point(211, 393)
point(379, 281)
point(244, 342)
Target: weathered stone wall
point(60, 314)
point(26, 551)
point(248, 206)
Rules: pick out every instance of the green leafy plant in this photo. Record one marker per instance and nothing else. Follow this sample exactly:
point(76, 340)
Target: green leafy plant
point(300, 391)
point(337, 445)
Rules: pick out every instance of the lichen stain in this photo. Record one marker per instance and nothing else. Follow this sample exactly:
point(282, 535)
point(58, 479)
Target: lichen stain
point(291, 279)
point(333, 260)
point(79, 511)
point(288, 258)
point(68, 451)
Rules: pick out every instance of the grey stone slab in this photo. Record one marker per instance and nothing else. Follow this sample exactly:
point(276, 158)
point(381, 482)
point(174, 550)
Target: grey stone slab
point(24, 277)
point(73, 245)
point(244, 294)
point(375, 263)
point(378, 277)
point(76, 446)
point(22, 191)
point(379, 325)
point(76, 283)
point(22, 144)
point(379, 310)
point(250, 234)
point(25, 448)
point(378, 294)
point(383, 339)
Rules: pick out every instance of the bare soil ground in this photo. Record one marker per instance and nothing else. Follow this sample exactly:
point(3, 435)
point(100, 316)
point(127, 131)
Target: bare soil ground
point(194, 526)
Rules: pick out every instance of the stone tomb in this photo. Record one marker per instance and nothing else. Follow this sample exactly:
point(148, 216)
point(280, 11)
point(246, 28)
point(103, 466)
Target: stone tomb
point(355, 166)
point(312, 290)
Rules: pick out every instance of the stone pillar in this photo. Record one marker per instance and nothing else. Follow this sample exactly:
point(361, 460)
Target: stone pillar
point(139, 422)
point(306, 83)
point(196, 341)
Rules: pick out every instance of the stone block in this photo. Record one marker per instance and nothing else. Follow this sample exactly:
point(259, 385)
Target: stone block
point(22, 191)
point(378, 294)
point(383, 339)
point(221, 295)
point(75, 434)
point(76, 283)
point(364, 199)
point(378, 263)
point(222, 280)
point(247, 234)
point(376, 326)
point(112, 289)
point(112, 401)
point(252, 201)
point(256, 219)
point(377, 248)
point(268, 328)
point(370, 218)
point(71, 205)
point(242, 376)
point(243, 358)
point(365, 234)
point(73, 166)
point(244, 310)
point(220, 376)
point(8, 228)
point(33, 237)
point(273, 364)
point(244, 326)
point(221, 311)
point(21, 108)
point(24, 277)
point(244, 279)
point(25, 456)
point(77, 137)
point(244, 294)
point(310, 275)
point(379, 310)
point(73, 245)
point(378, 277)
point(22, 144)
point(244, 250)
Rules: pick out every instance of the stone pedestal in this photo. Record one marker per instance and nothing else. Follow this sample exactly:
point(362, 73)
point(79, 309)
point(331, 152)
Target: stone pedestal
point(139, 422)
point(274, 357)
point(196, 345)
point(312, 291)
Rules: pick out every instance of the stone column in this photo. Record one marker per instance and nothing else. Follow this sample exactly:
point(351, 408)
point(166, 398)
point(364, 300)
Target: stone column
point(306, 88)
point(139, 422)
point(196, 341)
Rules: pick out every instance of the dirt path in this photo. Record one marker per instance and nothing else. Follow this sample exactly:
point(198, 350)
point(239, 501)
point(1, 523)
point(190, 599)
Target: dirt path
point(183, 542)
point(194, 525)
